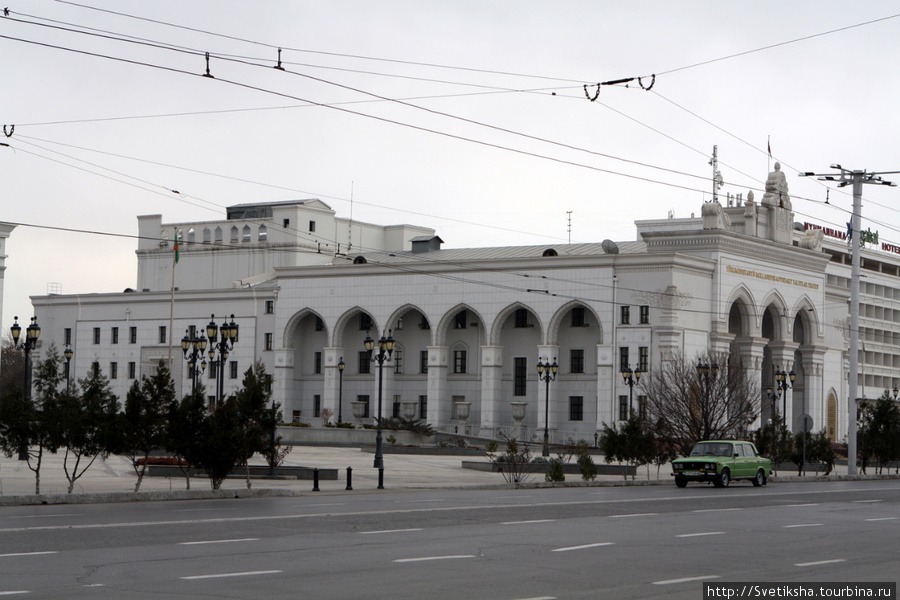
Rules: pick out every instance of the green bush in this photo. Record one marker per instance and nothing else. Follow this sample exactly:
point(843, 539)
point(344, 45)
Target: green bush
point(555, 472)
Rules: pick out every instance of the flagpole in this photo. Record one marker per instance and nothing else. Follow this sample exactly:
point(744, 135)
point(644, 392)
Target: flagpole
point(172, 305)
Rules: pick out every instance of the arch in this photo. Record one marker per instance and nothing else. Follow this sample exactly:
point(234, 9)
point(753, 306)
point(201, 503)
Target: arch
point(557, 318)
point(440, 333)
point(345, 319)
point(294, 322)
point(778, 310)
point(207, 235)
point(218, 238)
point(395, 317)
point(805, 310)
point(191, 236)
point(245, 233)
point(263, 234)
point(234, 234)
point(494, 337)
point(831, 415)
point(742, 314)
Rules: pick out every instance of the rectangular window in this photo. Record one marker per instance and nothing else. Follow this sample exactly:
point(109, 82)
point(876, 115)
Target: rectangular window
point(364, 398)
point(96, 335)
point(395, 407)
point(623, 408)
point(398, 362)
point(233, 365)
point(423, 361)
point(268, 342)
point(270, 307)
point(365, 363)
point(459, 361)
point(115, 335)
point(68, 336)
point(576, 360)
point(520, 374)
point(578, 317)
point(95, 368)
point(643, 358)
point(213, 369)
point(317, 363)
point(162, 334)
point(113, 370)
point(295, 416)
point(521, 318)
point(459, 321)
point(626, 315)
point(317, 405)
point(423, 407)
point(132, 335)
point(132, 370)
point(576, 408)
point(623, 358)
point(645, 315)
point(642, 407)
point(312, 226)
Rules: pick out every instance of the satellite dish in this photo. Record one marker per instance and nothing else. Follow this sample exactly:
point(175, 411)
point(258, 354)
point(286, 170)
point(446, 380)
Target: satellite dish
point(609, 246)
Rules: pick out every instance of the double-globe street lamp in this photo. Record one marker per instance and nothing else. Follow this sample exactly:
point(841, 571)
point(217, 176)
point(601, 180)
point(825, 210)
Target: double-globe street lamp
point(631, 377)
point(547, 373)
point(221, 339)
point(32, 333)
point(385, 350)
point(193, 348)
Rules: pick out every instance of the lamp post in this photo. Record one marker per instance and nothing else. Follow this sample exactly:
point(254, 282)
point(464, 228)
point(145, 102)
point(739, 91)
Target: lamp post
point(631, 377)
point(385, 349)
point(196, 345)
point(547, 373)
point(32, 333)
point(221, 339)
point(340, 366)
point(781, 383)
point(68, 354)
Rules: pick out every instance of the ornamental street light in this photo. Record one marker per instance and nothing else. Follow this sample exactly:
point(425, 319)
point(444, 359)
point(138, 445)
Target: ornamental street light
point(221, 340)
point(547, 373)
point(340, 366)
point(631, 377)
point(192, 347)
point(782, 385)
point(32, 333)
point(68, 354)
point(385, 349)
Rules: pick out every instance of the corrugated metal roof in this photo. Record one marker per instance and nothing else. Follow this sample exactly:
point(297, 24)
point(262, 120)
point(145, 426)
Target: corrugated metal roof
point(499, 252)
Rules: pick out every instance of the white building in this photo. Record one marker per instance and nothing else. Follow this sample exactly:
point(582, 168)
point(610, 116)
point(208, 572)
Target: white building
point(471, 324)
point(5, 230)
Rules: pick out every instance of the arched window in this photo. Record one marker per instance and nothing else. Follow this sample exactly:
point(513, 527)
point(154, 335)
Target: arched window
point(206, 235)
point(245, 234)
point(234, 235)
point(263, 233)
point(191, 234)
point(218, 235)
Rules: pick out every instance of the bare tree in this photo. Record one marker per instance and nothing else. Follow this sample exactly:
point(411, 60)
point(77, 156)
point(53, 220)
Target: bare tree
point(708, 397)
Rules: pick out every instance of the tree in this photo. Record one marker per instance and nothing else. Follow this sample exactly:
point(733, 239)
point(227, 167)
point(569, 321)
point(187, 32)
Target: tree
point(631, 443)
point(221, 443)
point(256, 419)
point(12, 364)
point(880, 431)
point(144, 420)
point(774, 441)
point(186, 425)
point(708, 398)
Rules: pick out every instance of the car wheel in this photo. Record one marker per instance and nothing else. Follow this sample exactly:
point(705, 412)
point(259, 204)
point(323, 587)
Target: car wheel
point(723, 479)
point(680, 481)
point(760, 478)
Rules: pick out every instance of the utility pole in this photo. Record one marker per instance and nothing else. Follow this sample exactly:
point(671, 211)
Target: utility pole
point(856, 179)
point(717, 175)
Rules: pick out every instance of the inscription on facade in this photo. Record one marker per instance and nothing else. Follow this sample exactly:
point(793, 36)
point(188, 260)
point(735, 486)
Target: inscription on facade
point(771, 277)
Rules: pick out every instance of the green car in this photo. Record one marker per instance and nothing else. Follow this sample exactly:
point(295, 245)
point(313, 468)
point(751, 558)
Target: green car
point(721, 462)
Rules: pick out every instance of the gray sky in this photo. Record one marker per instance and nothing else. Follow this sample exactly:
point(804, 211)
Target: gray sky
point(99, 141)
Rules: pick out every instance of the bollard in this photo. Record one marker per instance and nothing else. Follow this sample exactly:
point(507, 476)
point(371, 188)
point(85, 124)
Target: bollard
point(315, 480)
point(381, 478)
point(349, 478)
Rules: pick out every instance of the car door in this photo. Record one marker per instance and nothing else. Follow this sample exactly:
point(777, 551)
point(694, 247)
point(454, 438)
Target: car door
point(742, 468)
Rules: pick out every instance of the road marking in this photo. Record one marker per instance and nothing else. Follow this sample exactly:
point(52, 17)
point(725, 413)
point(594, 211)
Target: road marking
point(706, 510)
point(45, 516)
point(528, 522)
point(27, 553)
point(218, 541)
point(687, 535)
point(882, 519)
point(865, 501)
point(820, 562)
point(95, 585)
point(539, 598)
point(632, 515)
point(15, 593)
point(241, 574)
point(803, 525)
point(509, 497)
point(420, 501)
point(583, 547)
point(795, 505)
point(326, 504)
point(389, 531)
point(685, 579)
point(426, 558)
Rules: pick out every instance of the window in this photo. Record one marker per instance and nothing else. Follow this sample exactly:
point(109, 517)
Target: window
point(520, 373)
point(576, 408)
point(623, 408)
point(207, 235)
point(643, 358)
point(365, 363)
point(645, 315)
point(68, 336)
point(365, 322)
point(459, 361)
point(132, 335)
point(317, 363)
point(162, 334)
point(320, 325)
point(285, 223)
point(364, 398)
point(626, 315)
point(234, 234)
point(113, 370)
point(623, 358)
point(395, 407)
point(263, 233)
point(270, 307)
point(459, 322)
point(312, 226)
point(96, 335)
point(233, 366)
point(317, 405)
point(218, 235)
point(95, 369)
point(115, 335)
point(521, 317)
point(576, 360)
point(132, 370)
point(213, 369)
point(423, 361)
point(423, 324)
point(245, 233)
point(268, 342)
point(423, 407)
point(398, 362)
point(578, 317)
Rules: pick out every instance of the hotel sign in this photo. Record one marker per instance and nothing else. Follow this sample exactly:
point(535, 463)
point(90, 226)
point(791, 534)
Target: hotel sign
point(865, 237)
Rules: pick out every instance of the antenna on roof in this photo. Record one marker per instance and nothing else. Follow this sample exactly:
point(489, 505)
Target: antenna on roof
point(569, 214)
point(350, 222)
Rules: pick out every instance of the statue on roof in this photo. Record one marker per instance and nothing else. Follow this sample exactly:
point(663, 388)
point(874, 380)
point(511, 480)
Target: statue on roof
point(777, 189)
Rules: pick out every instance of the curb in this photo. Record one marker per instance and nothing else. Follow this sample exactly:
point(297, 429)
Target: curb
point(151, 496)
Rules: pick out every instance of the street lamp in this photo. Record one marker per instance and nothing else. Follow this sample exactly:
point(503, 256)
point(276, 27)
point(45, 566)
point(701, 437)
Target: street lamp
point(68, 354)
point(781, 383)
point(229, 335)
point(196, 346)
point(547, 373)
point(631, 377)
point(32, 333)
point(385, 349)
point(341, 366)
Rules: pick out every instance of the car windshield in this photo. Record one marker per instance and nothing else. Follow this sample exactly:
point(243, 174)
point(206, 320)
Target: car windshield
point(711, 449)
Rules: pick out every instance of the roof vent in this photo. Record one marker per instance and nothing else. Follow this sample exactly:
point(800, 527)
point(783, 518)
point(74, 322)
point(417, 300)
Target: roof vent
point(550, 252)
point(426, 243)
point(360, 260)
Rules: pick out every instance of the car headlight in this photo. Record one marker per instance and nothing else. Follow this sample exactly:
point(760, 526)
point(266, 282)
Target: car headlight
point(711, 466)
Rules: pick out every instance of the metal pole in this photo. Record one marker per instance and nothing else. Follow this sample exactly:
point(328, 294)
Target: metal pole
point(379, 458)
point(546, 450)
point(856, 225)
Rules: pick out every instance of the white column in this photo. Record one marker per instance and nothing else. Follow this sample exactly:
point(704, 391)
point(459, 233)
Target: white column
point(439, 409)
point(283, 384)
point(491, 386)
point(331, 384)
point(606, 396)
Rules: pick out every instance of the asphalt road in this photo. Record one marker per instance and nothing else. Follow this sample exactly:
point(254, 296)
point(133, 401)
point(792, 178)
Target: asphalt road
point(568, 543)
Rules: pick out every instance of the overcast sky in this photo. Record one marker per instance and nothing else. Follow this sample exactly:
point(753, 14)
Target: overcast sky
point(469, 117)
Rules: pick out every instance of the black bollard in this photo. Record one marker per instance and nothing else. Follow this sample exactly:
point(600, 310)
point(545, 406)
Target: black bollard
point(381, 478)
point(349, 478)
point(315, 480)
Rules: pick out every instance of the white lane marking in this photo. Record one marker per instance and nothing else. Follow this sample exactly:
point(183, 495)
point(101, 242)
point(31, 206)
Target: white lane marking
point(509, 497)
point(685, 579)
point(803, 525)
point(539, 598)
point(797, 505)
point(882, 519)
point(241, 574)
point(420, 501)
point(425, 558)
point(632, 515)
point(27, 553)
point(326, 504)
point(687, 535)
point(866, 501)
point(14, 593)
point(527, 522)
point(218, 541)
point(820, 562)
point(95, 585)
point(706, 510)
point(389, 531)
point(45, 516)
point(582, 547)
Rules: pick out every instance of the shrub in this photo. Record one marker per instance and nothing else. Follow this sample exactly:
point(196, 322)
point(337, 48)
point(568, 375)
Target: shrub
point(555, 471)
